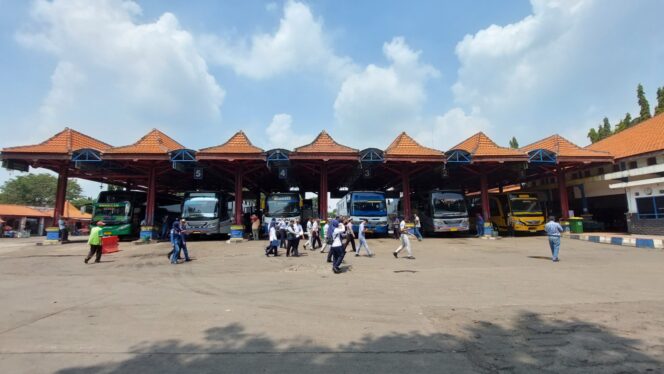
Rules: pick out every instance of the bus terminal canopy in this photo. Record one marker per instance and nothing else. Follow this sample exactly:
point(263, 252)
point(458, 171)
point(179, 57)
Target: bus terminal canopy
point(157, 163)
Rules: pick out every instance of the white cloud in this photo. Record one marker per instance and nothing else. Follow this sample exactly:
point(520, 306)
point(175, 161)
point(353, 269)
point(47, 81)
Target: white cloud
point(114, 70)
point(280, 134)
point(377, 103)
point(299, 43)
point(451, 128)
point(540, 75)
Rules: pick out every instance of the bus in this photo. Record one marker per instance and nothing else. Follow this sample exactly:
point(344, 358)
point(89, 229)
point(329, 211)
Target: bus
point(369, 205)
point(123, 211)
point(208, 212)
point(282, 205)
point(518, 212)
point(441, 211)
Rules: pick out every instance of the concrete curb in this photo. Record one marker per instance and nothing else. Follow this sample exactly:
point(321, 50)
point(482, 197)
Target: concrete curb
point(619, 240)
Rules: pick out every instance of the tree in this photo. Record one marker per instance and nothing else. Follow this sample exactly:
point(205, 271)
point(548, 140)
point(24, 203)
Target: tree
point(660, 101)
point(36, 190)
point(78, 203)
point(593, 136)
point(624, 124)
point(514, 143)
point(644, 113)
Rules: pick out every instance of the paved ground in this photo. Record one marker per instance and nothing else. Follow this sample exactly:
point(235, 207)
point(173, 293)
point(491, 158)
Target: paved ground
point(463, 305)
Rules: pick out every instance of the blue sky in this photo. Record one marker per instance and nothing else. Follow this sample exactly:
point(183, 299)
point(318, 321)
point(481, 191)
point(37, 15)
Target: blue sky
point(282, 71)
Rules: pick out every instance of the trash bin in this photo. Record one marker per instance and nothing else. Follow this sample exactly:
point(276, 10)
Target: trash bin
point(236, 231)
point(576, 225)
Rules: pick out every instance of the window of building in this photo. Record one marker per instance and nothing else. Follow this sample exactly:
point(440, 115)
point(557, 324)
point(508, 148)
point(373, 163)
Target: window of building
point(623, 166)
point(616, 167)
point(651, 161)
point(632, 165)
point(650, 207)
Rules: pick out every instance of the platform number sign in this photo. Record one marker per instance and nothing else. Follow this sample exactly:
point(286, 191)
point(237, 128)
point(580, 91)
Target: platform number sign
point(198, 173)
point(283, 173)
point(366, 173)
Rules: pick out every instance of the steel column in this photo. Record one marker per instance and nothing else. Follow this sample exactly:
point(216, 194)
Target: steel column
point(484, 186)
point(238, 196)
point(322, 196)
point(405, 188)
point(60, 193)
point(562, 191)
point(152, 197)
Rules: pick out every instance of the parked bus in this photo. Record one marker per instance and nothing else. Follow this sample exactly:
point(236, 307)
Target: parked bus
point(208, 212)
point(369, 205)
point(123, 211)
point(441, 211)
point(282, 205)
point(518, 212)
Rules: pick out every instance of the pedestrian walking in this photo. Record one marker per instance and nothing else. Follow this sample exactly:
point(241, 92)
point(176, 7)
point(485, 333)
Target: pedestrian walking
point(337, 250)
point(315, 232)
point(418, 227)
point(293, 233)
point(179, 242)
point(273, 246)
point(329, 228)
point(553, 231)
point(395, 228)
point(361, 232)
point(283, 225)
point(350, 235)
point(479, 223)
point(310, 223)
point(405, 242)
point(62, 227)
point(255, 227)
point(95, 243)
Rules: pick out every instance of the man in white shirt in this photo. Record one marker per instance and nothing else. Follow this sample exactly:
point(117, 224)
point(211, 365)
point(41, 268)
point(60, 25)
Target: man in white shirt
point(309, 228)
point(350, 235)
point(405, 242)
point(418, 227)
point(337, 249)
point(363, 240)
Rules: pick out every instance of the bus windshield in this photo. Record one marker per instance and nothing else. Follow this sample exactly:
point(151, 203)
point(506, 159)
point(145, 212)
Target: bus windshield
point(283, 206)
point(448, 204)
point(200, 207)
point(525, 206)
point(112, 213)
point(369, 205)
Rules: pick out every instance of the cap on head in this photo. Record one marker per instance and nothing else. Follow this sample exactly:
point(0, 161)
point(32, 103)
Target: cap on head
point(101, 223)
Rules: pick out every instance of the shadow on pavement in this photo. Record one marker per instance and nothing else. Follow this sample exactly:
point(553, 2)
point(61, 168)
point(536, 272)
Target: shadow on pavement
point(531, 346)
point(548, 258)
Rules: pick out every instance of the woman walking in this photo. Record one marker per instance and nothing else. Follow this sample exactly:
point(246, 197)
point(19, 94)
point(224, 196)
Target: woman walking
point(272, 248)
point(337, 249)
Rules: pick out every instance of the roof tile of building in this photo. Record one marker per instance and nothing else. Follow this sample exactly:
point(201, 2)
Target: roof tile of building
point(404, 146)
point(70, 212)
point(564, 148)
point(646, 137)
point(154, 142)
point(325, 144)
point(238, 143)
point(480, 145)
point(64, 142)
point(7, 210)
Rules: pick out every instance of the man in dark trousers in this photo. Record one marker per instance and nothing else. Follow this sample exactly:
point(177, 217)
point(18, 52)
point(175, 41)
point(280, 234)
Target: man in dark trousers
point(350, 235)
point(95, 243)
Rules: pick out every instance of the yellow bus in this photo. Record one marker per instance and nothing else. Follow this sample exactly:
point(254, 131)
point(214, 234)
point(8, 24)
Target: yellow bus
point(518, 212)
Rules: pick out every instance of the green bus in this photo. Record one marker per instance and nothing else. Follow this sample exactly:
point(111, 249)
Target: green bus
point(123, 211)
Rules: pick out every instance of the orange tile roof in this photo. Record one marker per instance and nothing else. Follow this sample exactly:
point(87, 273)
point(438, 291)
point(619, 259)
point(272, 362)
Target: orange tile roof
point(405, 146)
point(154, 142)
point(646, 137)
point(480, 145)
point(64, 142)
point(238, 143)
point(20, 211)
point(325, 144)
point(563, 148)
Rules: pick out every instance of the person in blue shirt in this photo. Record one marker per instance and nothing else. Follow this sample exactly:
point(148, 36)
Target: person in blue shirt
point(479, 222)
point(553, 231)
point(178, 233)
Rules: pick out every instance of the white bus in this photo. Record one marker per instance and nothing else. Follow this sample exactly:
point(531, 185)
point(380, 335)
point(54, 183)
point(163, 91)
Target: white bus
point(442, 211)
point(207, 212)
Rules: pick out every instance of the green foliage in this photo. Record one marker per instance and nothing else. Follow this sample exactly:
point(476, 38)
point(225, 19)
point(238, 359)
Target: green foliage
point(514, 143)
point(624, 124)
point(36, 190)
point(78, 203)
point(593, 136)
point(644, 113)
point(659, 109)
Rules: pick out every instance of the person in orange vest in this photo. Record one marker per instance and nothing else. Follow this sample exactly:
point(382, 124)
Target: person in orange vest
point(95, 243)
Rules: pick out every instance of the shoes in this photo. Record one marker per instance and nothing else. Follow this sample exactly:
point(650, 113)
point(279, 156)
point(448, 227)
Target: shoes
point(356, 255)
point(410, 257)
point(86, 260)
point(336, 270)
point(187, 260)
point(395, 255)
point(556, 260)
point(98, 261)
